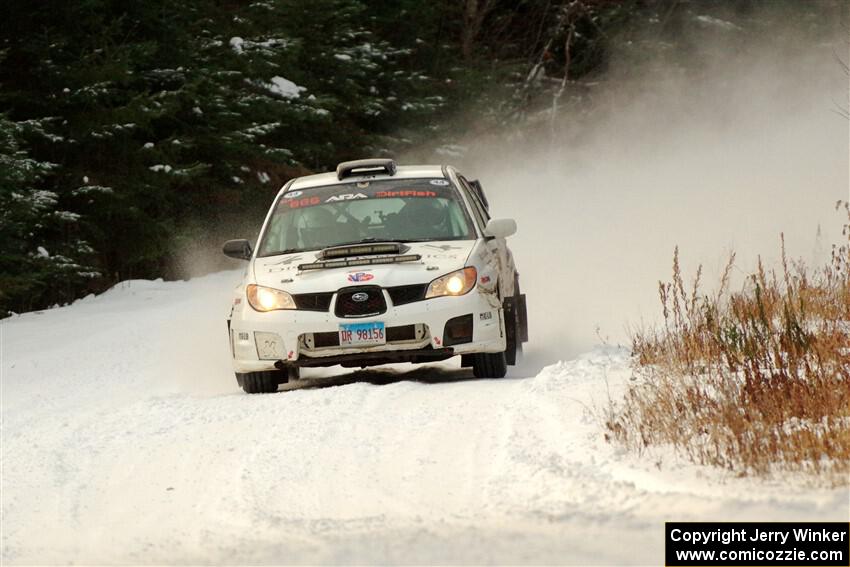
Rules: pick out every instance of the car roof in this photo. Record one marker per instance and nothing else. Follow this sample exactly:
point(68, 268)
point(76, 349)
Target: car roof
point(402, 172)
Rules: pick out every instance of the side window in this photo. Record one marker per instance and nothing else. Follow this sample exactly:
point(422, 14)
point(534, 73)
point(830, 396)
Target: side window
point(478, 209)
point(478, 191)
point(273, 239)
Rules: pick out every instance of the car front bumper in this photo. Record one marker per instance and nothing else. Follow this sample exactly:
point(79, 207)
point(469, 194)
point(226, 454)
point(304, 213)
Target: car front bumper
point(416, 332)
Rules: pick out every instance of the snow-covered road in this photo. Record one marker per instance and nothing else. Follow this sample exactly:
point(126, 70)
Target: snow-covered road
point(126, 440)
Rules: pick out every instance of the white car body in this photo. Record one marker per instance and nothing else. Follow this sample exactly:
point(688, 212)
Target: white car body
point(285, 339)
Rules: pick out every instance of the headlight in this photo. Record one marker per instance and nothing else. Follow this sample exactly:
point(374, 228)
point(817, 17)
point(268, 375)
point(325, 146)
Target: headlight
point(269, 299)
point(455, 283)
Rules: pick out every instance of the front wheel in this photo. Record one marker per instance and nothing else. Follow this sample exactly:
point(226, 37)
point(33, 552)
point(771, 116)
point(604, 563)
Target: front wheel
point(264, 382)
point(489, 365)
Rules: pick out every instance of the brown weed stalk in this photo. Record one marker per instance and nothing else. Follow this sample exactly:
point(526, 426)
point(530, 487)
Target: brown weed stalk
point(754, 381)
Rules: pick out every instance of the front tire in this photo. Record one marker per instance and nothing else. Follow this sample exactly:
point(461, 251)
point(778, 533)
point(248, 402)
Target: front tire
point(264, 382)
point(489, 365)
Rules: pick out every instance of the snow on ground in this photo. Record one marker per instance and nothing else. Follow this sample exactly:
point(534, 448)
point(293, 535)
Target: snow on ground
point(126, 440)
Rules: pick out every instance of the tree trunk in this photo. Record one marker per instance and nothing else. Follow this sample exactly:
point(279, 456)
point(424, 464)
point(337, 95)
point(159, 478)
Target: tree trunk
point(473, 15)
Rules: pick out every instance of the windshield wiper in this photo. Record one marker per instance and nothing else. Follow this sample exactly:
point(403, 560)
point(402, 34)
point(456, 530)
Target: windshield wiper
point(430, 239)
point(281, 252)
point(368, 239)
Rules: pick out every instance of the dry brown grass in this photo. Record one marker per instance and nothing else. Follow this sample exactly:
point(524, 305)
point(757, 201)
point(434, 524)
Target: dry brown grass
point(756, 380)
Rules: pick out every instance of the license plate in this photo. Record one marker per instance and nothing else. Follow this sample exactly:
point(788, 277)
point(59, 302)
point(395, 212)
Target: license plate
point(362, 334)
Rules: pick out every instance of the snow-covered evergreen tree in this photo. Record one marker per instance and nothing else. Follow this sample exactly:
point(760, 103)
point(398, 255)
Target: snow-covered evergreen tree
point(42, 259)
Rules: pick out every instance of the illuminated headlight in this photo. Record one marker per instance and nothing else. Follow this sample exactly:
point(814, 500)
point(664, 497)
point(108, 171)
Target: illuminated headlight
point(268, 299)
point(455, 283)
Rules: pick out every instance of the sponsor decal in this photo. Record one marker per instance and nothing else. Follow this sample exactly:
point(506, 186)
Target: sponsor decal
point(439, 182)
point(485, 316)
point(485, 279)
point(287, 261)
point(303, 202)
point(360, 277)
point(292, 194)
point(362, 184)
point(243, 336)
point(345, 197)
point(291, 354)
point(438, 341)
point(444, 247)
point(237, 301)
point(404, 193)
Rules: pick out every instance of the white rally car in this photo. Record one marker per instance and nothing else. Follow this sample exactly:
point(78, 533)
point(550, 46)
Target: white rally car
point(376, 264)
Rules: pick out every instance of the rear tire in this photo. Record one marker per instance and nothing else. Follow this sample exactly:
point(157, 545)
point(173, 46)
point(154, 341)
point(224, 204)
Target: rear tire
point(489, 365)
point(260, 382)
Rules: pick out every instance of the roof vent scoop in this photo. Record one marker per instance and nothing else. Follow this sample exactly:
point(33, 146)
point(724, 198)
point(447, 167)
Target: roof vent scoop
point(365, 167)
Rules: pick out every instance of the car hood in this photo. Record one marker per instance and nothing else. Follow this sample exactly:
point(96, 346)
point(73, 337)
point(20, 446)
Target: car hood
point(438, 258)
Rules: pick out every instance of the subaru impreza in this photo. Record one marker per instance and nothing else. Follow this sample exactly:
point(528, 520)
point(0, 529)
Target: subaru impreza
point(375, 264)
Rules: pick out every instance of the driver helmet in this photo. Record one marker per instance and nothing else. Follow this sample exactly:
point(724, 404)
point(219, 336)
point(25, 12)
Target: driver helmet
point(315, 226)
point(424, 215)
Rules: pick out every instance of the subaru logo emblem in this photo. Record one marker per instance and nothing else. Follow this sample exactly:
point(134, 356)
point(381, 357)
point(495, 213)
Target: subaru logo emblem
point(360, 297)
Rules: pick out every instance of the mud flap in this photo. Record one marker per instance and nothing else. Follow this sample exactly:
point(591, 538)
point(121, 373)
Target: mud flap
point(511, 329)
point(466, 360)
point(522, 313)
point(230, 342)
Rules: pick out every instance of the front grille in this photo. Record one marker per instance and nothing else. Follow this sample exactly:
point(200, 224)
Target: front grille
point(313, 301)
point(372, 304)
point(407, 293)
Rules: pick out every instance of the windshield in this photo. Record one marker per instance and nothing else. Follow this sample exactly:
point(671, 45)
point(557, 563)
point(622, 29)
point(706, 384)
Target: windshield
point(395, 209)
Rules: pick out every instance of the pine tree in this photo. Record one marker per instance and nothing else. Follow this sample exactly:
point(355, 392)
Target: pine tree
point(41, 260)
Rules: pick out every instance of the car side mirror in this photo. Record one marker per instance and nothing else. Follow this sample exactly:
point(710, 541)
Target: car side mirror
point(239, 249)
point(500, 228)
